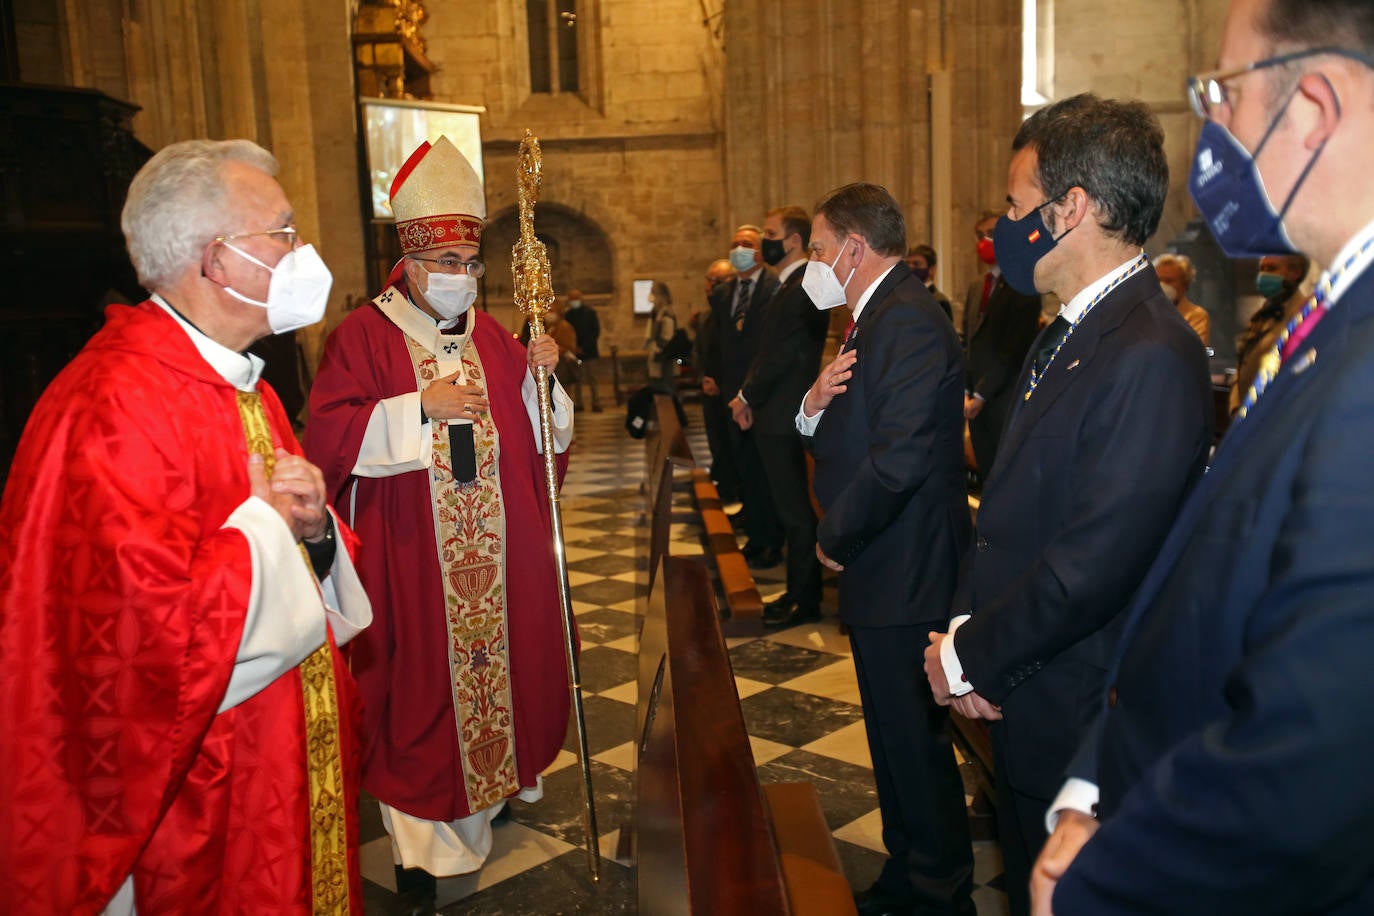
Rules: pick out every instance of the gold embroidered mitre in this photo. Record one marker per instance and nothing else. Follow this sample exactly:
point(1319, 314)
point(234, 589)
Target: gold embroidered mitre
point(438, 199)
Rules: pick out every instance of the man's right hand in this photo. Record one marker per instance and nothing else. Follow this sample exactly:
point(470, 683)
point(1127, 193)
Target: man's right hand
point(709, 386)
point(445, 399)
point(829, 383)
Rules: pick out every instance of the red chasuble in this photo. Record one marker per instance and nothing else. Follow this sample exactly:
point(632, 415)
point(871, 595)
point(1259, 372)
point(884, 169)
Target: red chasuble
point(463, 672)
point(122, 604)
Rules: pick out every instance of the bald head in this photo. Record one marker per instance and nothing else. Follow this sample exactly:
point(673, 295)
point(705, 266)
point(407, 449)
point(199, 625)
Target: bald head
point(718, 273)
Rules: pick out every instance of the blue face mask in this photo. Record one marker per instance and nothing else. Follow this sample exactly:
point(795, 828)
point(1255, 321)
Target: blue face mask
point(1020, 244)
point(1269, 285)
point(742, 259)
point(1228, 189)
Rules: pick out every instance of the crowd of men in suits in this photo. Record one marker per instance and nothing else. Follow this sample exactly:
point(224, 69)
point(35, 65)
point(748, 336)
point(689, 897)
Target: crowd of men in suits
point(1164, 637)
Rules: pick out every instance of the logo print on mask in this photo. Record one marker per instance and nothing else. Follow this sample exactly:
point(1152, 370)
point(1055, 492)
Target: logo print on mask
point(1207, 167)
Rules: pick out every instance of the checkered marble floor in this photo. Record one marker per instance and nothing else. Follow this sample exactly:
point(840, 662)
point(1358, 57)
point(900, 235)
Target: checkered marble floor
point(797, 689)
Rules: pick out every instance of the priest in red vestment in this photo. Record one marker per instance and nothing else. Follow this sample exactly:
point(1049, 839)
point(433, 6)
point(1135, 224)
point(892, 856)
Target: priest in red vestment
point(422, 416)
point(179, 727)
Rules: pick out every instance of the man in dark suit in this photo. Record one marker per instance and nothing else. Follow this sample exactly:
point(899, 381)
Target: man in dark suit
point(715, 416)
point(736, 316)
point(886, 429)
point(922, 260)
point(1000, 323)
point(1110, 427)
point(1230, 763)
point(791, 339)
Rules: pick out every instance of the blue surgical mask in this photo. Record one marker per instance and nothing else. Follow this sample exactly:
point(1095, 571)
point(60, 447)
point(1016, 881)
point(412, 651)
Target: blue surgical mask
point(1227, 187)
point(1268, 284)
point(742, 259)
point(1020, 244)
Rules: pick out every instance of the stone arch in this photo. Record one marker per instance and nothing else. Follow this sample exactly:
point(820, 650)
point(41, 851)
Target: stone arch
point(580, 252)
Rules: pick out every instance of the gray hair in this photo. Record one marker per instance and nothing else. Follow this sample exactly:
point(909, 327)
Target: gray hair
point(1182, 262)
point(178, 204)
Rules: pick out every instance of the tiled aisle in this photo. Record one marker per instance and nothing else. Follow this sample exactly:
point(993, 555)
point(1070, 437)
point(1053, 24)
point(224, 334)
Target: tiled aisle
point(796, 687)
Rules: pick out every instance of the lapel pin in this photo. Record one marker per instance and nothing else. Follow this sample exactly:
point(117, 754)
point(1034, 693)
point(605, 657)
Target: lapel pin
point(1071, 366)
point(1305, 362)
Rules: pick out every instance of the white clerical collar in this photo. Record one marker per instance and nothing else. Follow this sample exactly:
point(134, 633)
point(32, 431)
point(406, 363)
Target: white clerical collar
point(418, 326)
point(1074, 308)
point(242, 370)
point(790, 269)
point(868, 293)
point(1359, 251)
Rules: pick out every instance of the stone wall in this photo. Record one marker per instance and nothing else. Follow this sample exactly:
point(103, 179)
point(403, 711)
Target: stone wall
point(279, 74)
point(636, 153)
point(922, 98)
point(691, 117)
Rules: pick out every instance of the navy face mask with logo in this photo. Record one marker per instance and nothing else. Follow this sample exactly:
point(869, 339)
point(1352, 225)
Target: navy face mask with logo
point(1227, 187)
point(1020, 244)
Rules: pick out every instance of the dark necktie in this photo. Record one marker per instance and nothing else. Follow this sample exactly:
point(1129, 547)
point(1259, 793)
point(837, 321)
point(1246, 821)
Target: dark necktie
point(988, 282)
point(742, 300)
point(1049, 342)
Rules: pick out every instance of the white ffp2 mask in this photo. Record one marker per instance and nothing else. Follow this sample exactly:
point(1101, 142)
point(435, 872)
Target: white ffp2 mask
point(820, 283)
point(297, 292)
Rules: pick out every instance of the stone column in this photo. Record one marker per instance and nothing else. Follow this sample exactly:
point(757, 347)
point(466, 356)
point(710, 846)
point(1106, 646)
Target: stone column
point(824, 94)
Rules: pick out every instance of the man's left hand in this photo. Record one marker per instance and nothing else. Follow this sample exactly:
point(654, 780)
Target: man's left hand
point(1072, 831)
point(973, 405)
point(543, 351)
point(741, 413)
point(299, 478)
point(935, 669)
point(973, 706)
point(826, 561)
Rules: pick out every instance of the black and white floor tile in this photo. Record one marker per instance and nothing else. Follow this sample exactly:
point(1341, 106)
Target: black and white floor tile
point(796, 687)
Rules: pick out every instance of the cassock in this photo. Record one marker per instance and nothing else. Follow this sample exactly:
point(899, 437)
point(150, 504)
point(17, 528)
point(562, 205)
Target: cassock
point(179, 725)
point(464, 676)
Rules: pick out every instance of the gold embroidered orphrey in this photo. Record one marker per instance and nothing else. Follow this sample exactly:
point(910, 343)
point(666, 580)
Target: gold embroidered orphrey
point(470, 530)
point(324, 747)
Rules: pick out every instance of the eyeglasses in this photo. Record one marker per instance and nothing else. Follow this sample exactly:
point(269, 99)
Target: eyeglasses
point(473, 269)
point(1207, 91)
point(288, 233)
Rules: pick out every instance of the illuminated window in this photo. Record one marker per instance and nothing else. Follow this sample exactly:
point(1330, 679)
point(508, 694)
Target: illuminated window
point(553, 40)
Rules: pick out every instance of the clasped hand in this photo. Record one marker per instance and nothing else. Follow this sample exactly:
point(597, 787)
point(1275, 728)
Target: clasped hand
point(296, 490)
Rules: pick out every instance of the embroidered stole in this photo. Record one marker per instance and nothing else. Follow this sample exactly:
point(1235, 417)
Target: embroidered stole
point(470, 530)
point(323, 745)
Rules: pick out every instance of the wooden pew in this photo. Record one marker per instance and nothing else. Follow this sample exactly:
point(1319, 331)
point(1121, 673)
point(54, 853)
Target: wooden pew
point(709, 839)
point(743, 604)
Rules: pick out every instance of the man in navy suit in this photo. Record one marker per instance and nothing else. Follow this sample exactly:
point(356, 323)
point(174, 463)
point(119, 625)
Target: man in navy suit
point(885, 421)
point(1229, 767)
point(791, 339)
point(1109, 427)
point(737, 307)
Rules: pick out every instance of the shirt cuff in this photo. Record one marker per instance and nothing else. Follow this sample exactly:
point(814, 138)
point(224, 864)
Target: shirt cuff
point(561, 410)
point(346, 605)
point(949, 660)
point(397, 439)
point(742, 398)
point(285, 618)
point(1077, 795)
point(807, 425)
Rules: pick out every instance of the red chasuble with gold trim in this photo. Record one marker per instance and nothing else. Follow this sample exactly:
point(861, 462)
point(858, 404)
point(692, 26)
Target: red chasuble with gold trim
point(463, 672)
point(122, 603)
